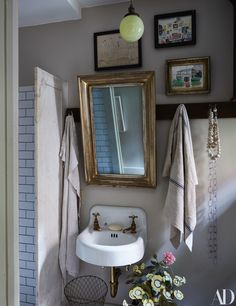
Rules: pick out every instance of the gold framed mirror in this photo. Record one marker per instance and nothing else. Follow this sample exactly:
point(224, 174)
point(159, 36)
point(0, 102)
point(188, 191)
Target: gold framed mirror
point(118, 118)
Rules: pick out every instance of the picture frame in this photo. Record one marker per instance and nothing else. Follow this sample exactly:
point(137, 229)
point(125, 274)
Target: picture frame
point(112, 52)
point(188, 76)
point(175, 29)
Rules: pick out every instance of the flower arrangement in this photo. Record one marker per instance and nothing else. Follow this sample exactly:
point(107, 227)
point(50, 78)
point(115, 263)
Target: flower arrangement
point(155, 284)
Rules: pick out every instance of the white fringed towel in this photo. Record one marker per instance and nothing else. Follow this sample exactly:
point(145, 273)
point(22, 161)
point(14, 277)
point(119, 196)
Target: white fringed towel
point(69, 262)
point(180, 203)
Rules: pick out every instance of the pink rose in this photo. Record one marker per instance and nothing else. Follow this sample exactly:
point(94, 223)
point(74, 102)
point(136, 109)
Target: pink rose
point(169, 258)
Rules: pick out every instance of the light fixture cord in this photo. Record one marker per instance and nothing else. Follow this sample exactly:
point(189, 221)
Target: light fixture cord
point(131, 7)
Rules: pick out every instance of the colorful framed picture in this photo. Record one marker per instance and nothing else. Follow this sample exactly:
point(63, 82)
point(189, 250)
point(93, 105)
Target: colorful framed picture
point(188, 76)
point(112, 52)
point(175, 29)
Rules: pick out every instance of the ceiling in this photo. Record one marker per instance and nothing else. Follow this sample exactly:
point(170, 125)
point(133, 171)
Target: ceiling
point(36, 12)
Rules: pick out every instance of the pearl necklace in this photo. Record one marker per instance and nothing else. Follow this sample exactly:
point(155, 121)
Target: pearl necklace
point(213, 145)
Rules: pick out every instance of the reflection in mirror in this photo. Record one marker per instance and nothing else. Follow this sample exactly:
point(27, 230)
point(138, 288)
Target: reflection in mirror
point(118, 128)
point(118, 125)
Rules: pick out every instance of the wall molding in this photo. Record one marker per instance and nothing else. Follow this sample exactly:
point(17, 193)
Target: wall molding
point(9, 253)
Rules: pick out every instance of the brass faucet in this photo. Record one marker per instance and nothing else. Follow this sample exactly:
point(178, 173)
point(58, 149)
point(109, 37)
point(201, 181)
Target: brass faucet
point(96, 226)
point(132, 228)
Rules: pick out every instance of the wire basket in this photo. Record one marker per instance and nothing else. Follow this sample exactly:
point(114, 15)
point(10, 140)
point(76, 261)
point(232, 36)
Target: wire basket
point(86, 290)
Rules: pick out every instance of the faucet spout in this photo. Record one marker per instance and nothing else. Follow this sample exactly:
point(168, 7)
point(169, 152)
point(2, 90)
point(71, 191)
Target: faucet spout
point(125, 230)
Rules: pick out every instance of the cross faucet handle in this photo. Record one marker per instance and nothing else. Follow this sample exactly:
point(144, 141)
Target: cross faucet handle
point(96, 215)
point(133, 217)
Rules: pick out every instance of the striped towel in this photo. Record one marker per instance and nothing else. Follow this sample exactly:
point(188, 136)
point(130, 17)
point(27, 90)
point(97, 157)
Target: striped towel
point(180, 204)
point(69, 262)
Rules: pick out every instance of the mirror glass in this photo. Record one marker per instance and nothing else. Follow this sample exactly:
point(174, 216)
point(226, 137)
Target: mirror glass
point(118, 128)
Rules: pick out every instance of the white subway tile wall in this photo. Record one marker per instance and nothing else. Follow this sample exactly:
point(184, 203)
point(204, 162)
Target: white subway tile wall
point(103, 149)
point(27, 197)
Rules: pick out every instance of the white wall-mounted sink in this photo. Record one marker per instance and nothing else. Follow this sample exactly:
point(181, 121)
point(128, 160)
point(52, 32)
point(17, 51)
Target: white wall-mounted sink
point(113, 248)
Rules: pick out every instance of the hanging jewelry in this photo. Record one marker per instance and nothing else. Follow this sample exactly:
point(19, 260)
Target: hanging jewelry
point(214, 152)
point(213, 145)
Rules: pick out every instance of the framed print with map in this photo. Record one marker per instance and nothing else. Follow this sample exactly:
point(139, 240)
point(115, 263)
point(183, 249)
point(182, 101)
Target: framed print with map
point(112, 52)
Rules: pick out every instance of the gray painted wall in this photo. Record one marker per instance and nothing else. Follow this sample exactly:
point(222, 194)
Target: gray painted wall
point(66, 50)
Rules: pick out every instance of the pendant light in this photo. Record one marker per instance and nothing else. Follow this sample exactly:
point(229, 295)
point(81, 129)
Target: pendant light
point(131, 26)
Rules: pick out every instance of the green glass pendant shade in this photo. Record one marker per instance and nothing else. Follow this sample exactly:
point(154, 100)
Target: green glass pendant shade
point(131, 28)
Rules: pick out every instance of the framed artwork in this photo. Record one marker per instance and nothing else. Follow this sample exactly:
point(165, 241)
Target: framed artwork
point(175, 29)
point(188, 76)
point(112, 52)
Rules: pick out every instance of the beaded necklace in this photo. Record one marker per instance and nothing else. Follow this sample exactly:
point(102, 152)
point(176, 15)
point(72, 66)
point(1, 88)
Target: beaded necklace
point(214, 152)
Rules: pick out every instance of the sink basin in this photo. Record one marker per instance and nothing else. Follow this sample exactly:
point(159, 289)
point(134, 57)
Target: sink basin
point(113, 248)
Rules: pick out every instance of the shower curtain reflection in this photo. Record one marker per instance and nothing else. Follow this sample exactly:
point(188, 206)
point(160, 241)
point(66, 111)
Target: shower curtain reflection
point(118, 129)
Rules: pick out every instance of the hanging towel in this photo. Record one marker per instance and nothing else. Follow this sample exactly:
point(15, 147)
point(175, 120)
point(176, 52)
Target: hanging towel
point(179, 167)
point(69, 262)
